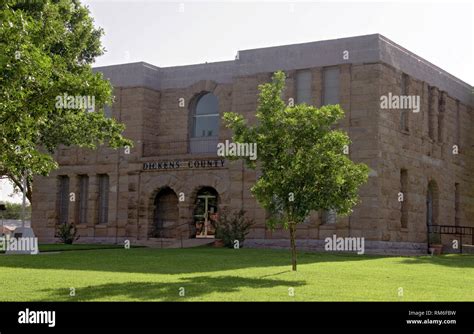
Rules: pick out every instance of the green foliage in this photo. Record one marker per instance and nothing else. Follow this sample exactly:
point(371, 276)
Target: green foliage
point(233, 226)
point(435, 238)
point(67, 233)
point(46, 50)
point(300, 155)
point(301, 159)
point(13, 211)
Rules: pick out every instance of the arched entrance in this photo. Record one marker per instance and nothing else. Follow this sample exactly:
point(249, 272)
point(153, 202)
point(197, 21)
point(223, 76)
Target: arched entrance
point(165, 215)
point(205, 212)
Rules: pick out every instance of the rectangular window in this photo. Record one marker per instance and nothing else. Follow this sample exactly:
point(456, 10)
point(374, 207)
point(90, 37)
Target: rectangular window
point(328, 216)
point(457, 198)
point(430, 113)
point(458, 126)
point(303, 87)
point(103, 198)
point(404, 112)
point(63, 203)
point(404, 84)
point(331, 86)
point(83, 197)
point(404, 202)
point(404, 120)
point(441, 109)
point(107, 111)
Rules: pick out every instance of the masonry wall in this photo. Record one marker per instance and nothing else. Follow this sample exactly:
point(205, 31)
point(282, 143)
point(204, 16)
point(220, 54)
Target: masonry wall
point(159, 127)
point(427, 156)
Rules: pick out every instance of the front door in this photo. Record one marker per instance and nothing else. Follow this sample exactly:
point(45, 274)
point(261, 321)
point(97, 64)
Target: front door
point(205, 215)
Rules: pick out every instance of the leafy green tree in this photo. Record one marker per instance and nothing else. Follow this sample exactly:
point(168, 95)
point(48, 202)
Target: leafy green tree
point(46, 51)
point(14, 211)
point(301, 159)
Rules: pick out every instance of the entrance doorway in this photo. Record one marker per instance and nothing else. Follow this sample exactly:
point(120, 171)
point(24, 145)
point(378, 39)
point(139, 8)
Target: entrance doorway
point(205, 212)
point(165, 215)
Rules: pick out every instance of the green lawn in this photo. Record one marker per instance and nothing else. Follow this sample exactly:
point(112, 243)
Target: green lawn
point(215, 274)
point(75, 247)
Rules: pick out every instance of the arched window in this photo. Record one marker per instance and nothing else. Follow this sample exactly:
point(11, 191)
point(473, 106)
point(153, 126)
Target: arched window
point(206, 116)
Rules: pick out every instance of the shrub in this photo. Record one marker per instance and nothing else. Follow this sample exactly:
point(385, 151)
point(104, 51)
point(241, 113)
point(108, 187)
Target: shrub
point(435, 238)
point(231, 227)
point(67, 233)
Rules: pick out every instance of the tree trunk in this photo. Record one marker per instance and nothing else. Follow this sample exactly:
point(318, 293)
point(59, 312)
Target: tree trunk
point(293, 245)
point(19, 184)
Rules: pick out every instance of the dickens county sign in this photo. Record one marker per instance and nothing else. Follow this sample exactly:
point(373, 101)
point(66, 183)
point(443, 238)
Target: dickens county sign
point(183, 164)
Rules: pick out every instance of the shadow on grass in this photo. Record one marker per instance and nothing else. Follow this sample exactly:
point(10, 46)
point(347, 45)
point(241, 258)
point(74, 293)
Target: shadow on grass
point(194, 287)
point(171, 261)
point(448, 260)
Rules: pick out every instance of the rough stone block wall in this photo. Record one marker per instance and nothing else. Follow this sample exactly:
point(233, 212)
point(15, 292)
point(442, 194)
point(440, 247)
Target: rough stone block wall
point(426, 154)
point(160, 128)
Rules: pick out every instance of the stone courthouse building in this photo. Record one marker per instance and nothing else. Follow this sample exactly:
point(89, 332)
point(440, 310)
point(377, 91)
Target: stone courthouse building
point(171, 184)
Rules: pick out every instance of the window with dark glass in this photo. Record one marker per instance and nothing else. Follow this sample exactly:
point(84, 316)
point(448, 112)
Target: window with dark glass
point(457, 199)
point(83, 196)
point(63, 205)
point(103, 198)
point(404, 112)
point(441, 115)
point(404, 203)
point(458, 126)
point(431, 113)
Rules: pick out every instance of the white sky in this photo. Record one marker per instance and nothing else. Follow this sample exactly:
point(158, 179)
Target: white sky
point(6, 192)
point(158, 32)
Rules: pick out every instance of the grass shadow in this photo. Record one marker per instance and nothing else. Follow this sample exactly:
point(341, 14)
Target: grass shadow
point(150, 291)
point(448, 260)
point(171, 261)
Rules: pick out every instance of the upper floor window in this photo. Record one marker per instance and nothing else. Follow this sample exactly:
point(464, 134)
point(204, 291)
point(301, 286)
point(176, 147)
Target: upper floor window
point(206, 116)
point(107, 111)
point(404, 113)
point(303, 87)
point(328, 216)
point(431, 112)
point(458, 125)
point(331, 85)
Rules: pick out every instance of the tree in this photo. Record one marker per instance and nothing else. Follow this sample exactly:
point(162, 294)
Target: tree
point(301, 159)
point(14, 211)
point(46, 52)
